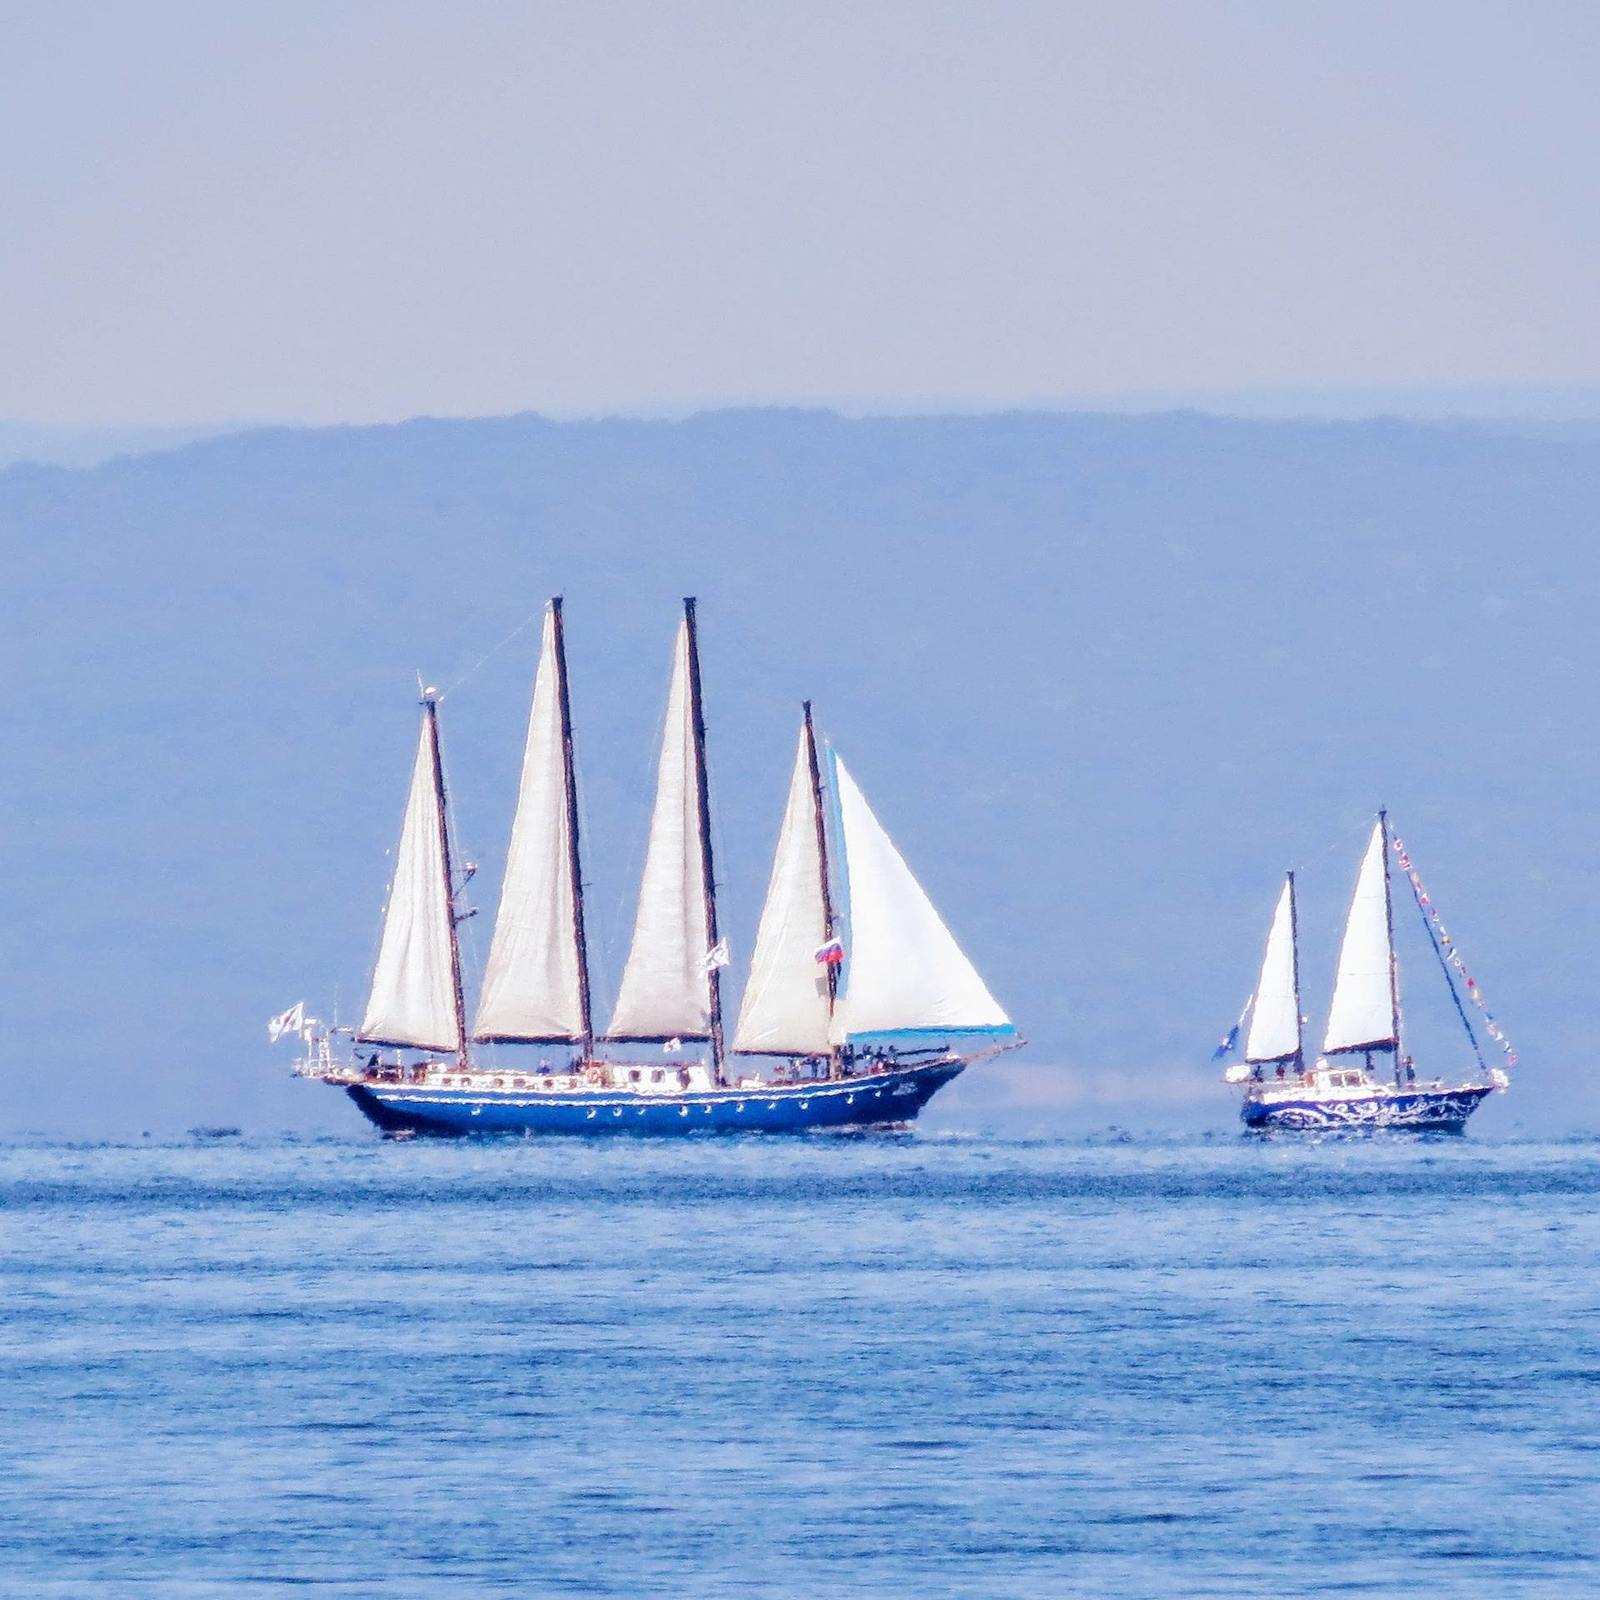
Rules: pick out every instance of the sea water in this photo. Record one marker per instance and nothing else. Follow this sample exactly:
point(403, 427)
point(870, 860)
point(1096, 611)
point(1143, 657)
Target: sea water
point(918, 1365)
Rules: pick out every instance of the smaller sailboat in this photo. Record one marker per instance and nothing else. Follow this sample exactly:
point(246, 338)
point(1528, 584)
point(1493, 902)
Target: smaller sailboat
point(1346, 1087)
point(853, 1014)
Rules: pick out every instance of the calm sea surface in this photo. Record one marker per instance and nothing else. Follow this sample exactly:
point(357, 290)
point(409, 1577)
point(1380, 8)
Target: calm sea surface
point(919, 1366)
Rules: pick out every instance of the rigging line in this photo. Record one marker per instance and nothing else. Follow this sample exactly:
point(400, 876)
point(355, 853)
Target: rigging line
point(1444, 966)
point(484, 660)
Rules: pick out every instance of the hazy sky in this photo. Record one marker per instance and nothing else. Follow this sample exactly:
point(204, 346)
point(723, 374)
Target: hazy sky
point(357, 210)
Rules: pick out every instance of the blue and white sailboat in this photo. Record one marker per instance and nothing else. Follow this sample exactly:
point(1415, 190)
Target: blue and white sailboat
point(846, 1022)
point(1345, 1088)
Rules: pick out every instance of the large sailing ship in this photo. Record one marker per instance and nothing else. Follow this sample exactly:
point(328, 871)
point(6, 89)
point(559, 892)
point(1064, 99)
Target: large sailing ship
point(854, 1014)
point(1345, 1088)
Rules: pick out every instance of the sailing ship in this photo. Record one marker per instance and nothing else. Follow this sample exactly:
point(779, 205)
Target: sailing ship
point(852, 1015)
point(1346, 1087)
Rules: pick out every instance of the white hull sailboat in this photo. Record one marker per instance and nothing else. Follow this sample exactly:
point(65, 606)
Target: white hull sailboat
point(852, 1017)
point(1347, 1088)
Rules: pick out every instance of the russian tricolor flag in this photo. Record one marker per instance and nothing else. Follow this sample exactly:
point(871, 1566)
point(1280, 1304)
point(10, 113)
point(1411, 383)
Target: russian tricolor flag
point(831, 953)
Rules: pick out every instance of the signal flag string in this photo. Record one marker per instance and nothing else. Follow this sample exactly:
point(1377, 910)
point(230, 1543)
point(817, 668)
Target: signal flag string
point(1448, 954)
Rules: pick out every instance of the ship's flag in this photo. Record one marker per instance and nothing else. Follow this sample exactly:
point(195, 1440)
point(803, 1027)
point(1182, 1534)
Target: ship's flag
point(716, 956)
point(1231, 1037)
point(830, 954)
point(290, 1021)
point(671, 1047)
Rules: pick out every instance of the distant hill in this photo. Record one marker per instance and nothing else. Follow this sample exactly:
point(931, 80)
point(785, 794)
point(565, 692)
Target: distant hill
point(1102, 677)
point(45, 444)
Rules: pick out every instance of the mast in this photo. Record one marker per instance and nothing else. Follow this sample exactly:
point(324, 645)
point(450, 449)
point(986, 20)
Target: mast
point(1394, 964)
point(822, 848)
point(430, 704)
point(818, 812)
point(1294, 948)
point(703, 808)
point(573, 856)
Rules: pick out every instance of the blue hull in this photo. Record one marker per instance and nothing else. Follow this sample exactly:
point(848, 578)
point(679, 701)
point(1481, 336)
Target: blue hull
point(860, 1102)
point(1420, 1111)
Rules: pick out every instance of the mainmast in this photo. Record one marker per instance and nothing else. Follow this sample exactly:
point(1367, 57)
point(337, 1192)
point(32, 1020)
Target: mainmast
point(825, 892)
point(703, 810)
point(573, 855)
point(1294, 947)
point(430, 703)
point(1394, 964)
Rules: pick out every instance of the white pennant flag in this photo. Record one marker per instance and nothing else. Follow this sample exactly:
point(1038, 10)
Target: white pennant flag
point(716, 956)
point(291, 1021)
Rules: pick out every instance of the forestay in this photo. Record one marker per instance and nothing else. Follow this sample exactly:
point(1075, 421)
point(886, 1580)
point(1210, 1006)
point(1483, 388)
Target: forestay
point(664, 991)
point(906, 972)
point(413, 999)
point(532, 989)
point(786, 1002)
point(1361, 1014)
point(1275, 1017)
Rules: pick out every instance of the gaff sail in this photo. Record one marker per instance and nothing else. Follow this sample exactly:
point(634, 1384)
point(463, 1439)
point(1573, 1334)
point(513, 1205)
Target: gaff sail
point(535, 988)
point(1361, 1015)
point(665, 991)
point(788, 1001)
point(416, 986)
point(1275, 1018)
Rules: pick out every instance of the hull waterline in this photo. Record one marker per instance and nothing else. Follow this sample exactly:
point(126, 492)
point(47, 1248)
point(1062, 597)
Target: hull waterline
point(1418, 1111)
point(871, 1100)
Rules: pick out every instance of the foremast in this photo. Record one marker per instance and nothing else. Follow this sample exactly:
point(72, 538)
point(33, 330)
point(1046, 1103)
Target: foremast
point(1276, 1036)
point(430, 703)
point(824, 889)
point(416, 1000)
point(574, 853)
point(713, 959)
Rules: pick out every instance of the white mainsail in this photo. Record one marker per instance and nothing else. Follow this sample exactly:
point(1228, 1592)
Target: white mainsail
point(786, 1005)
point(1362, 1011)
point(413, 999)
point(532, 987)
point(906, 972)
point(665, 991)
point(1275, 1017)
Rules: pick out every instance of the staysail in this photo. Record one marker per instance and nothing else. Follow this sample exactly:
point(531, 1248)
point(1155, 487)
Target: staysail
point(1275, 1017)
point(667, 988)
point(416, 986)
point(907, 975)
point(1362, 1012)
point(535, 988)
point(788, 1002)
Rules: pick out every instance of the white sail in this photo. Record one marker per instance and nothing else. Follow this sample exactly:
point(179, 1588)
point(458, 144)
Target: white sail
point(531, 988)
point(786, 1002)
point(665, 991)
point(1362, 1010)
point(1275, 1017)
point(906, 973)
point(413, 999)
